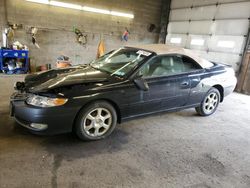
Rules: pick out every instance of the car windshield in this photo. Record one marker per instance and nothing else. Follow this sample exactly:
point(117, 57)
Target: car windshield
point(121, 61)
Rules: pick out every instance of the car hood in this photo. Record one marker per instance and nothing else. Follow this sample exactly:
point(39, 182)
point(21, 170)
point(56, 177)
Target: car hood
point(56, 78)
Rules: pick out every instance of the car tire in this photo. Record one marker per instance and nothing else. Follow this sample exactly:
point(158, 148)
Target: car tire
point(210, 103)
point(96, 121)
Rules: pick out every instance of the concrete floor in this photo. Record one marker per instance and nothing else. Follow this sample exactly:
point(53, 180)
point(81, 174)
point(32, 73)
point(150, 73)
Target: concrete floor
point(167, 150)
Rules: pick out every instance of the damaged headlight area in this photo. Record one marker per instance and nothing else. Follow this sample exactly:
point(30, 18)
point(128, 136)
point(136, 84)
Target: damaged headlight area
point(42, 101)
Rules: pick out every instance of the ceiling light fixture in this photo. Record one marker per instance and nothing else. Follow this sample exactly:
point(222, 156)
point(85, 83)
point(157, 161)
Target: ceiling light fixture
point(115, 13)
point(39, 1)
point(96, 10)
point(65, 5)
point(83, 8)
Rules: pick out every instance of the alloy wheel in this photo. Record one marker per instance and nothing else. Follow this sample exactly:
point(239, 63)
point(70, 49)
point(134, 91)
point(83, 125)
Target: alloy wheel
point(97, 122)
point(210, 102)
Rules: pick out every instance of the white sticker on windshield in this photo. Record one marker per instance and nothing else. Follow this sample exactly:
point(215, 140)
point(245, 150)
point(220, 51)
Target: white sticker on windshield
point(141, 52)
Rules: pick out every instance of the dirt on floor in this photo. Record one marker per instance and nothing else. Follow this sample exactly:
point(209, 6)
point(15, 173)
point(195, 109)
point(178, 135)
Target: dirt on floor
point(165, 150)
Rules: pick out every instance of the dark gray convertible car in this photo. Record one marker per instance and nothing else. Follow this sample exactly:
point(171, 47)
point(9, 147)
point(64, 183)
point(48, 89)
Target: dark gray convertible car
point(126, 83)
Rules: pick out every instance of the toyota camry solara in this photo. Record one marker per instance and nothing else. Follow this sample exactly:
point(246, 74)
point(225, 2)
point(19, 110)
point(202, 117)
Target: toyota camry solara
point(134, 81)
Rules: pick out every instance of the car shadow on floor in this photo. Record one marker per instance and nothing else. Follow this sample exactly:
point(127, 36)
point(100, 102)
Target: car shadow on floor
point(70, 147)
point(66, 145)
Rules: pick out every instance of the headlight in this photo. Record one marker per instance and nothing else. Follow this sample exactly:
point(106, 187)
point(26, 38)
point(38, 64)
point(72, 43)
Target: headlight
point(42, 101)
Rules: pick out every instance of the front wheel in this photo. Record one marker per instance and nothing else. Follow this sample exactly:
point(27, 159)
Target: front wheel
point(210, 103)
point(96, 121)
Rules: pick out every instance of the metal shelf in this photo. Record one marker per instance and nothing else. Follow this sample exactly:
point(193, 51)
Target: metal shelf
point(14, 54)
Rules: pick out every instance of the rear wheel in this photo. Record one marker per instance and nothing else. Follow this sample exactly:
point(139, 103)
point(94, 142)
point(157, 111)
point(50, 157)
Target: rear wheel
point(210, 103)
point(96, 121)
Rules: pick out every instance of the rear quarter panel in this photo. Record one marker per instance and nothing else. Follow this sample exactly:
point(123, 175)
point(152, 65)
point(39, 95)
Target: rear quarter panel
point(219, 75)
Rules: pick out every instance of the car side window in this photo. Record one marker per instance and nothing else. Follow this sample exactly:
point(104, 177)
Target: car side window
point(147, 69)
point(162, 66)
point(189, 64)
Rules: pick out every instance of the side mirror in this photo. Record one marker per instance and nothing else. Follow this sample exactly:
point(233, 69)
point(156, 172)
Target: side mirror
point(141, 84)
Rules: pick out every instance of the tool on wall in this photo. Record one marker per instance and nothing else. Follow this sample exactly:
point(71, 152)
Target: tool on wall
point(80, 37)
point(15, 26)
point(33, 35)
point(125, 34)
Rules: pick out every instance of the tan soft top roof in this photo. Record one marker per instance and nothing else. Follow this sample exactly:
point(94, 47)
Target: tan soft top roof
point(162, 49)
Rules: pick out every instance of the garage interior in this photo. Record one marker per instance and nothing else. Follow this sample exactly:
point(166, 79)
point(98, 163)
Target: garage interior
point(178, 149)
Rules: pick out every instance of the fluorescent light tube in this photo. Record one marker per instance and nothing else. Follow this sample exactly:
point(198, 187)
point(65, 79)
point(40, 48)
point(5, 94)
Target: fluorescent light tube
point(39, 1)
point(96, 10)
point(65, 5)
point(114, 13)
point(83, 8)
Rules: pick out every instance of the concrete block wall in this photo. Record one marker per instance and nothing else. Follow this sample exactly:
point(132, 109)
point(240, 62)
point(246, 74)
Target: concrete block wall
point(7, 83)
point(2, 17)
point(55, 35)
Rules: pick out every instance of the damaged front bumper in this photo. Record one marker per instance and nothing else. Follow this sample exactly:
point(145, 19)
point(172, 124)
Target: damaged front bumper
point(45, 121)
point(17, 98)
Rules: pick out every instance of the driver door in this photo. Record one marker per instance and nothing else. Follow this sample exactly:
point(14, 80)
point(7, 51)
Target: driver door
point(168, 87)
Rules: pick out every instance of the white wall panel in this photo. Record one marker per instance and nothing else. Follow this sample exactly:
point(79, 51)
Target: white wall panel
point(178, 27)
point(200, 27)
point(230, 1)
point(203, 13)
point(181, 3)
point(230, 59)
point(219, 57)
point(230, 27)
point(181, 36)
point(234, 10)
point(197, 13)
point(237, 41)
point(219, 27)
point(203, 2)
point(188, 3)
point(219, 30)
point(180, 14)
point(202, 53)
point(189, 44)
